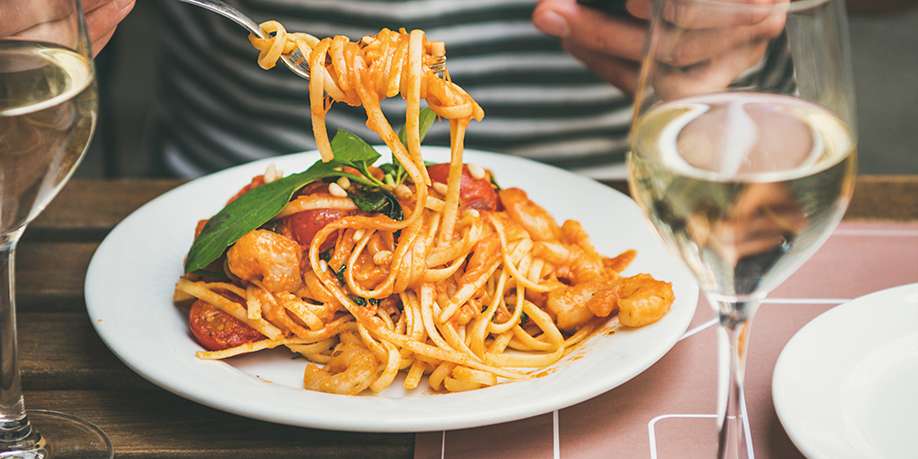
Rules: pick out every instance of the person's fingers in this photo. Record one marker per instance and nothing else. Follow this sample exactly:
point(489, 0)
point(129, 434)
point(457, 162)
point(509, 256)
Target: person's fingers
point(701, 15)
point(683, 47)
point(622, 73)
point(102, 21)
point(714, 75)
point(641, 9)
point(590, 29)
point(101, 42)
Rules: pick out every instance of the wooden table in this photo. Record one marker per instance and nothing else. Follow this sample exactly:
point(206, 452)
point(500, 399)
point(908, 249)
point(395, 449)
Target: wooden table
point(66, 367)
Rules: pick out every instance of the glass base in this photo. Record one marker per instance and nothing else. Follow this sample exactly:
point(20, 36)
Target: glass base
point(58, 435)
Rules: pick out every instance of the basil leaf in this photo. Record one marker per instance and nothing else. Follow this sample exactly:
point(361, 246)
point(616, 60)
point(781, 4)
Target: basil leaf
point(426, 119)
point(494, 183)
point(251, 210)
point(378, 200)
point(351, 150)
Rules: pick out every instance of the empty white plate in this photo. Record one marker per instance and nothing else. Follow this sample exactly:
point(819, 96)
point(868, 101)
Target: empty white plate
point(846, 385)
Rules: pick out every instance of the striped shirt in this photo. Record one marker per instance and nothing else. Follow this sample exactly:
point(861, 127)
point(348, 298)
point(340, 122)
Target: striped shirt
point(218, 108)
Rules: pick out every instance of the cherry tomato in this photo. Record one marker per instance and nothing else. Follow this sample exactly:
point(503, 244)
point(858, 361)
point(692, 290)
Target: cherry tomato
point(216, 330)
point(473, 193)
point(257, 181)
point(303, 226)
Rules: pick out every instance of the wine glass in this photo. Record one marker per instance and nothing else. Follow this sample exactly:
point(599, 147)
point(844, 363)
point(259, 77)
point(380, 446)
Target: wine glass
point(48, 111)
point(743, 154)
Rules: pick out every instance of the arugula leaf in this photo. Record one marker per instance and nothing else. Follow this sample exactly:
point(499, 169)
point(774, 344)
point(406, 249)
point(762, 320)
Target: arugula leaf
point(378, 200)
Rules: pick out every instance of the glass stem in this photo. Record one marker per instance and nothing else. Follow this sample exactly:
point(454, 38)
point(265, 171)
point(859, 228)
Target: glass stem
point(14, 425)
point(733, 347)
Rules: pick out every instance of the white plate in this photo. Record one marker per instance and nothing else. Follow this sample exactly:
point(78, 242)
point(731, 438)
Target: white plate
point(132, 274)
point(846, 385)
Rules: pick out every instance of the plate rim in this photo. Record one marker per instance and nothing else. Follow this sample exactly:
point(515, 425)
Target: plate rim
point(557, 401)
point(779, 388)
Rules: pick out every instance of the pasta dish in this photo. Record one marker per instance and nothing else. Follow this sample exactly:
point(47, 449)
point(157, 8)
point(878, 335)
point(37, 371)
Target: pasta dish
point(369, 270)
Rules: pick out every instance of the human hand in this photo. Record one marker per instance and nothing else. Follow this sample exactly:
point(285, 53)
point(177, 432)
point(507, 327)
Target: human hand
point(609, 46)
point(55, 23)
point(701, 46)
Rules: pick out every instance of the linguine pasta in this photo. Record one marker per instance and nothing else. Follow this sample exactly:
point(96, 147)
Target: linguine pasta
point(473, 287)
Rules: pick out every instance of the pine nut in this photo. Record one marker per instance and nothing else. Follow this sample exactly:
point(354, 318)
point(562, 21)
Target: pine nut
point(476, 171)
point(335, 190)
point(402, 191)
point(272, 173)
point(440, 188)
point(473, 213)
point(323, 266)
point(344, 182)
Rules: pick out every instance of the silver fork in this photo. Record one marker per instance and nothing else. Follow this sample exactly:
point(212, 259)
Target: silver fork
point(294, 61)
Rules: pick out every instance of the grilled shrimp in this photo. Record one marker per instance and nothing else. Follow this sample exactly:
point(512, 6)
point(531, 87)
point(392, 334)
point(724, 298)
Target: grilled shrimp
point(643, 300)
point(575, 264)
point(349, 372)
point(640, 300)
point(268, 257)
point(539, 223)
point(486, 251)
point(569, 304)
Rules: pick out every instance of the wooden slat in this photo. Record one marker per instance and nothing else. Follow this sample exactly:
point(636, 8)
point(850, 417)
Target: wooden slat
point(50, 275)
point(63, 351)
point(157, 424)
point(88, 209)
point(884, 197)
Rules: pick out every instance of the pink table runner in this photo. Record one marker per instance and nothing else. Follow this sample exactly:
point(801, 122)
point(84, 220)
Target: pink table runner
point(667, 411)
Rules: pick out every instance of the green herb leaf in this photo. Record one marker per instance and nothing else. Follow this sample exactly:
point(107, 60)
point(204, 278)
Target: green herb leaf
point(340, 274)
point(378, 200)
point(261, 204)
point(352, 150)
point(250, 211)
point(359, 301)
point(426, 119)
point(494, 183)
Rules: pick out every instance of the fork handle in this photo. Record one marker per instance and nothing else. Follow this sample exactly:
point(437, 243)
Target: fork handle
point(228, 12)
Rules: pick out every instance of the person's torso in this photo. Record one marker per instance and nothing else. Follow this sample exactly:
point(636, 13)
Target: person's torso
point(218, 108)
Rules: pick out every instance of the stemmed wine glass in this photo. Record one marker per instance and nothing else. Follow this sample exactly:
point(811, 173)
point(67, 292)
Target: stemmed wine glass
point(48, 111)
point(743, 154)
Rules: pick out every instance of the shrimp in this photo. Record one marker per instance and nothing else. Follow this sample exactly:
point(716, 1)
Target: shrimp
point(486, 251)
point(640, 300)
point(569, 304)
point(575, 264)
point(268, 257)
point(644, 300)
point(538, 223)
point(350, 371)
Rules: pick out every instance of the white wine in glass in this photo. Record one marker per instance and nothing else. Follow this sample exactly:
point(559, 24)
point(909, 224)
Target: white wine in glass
point(48, 108)
point(743, 155)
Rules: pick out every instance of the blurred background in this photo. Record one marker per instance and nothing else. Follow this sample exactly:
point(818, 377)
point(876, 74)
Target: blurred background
point(884, 48)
